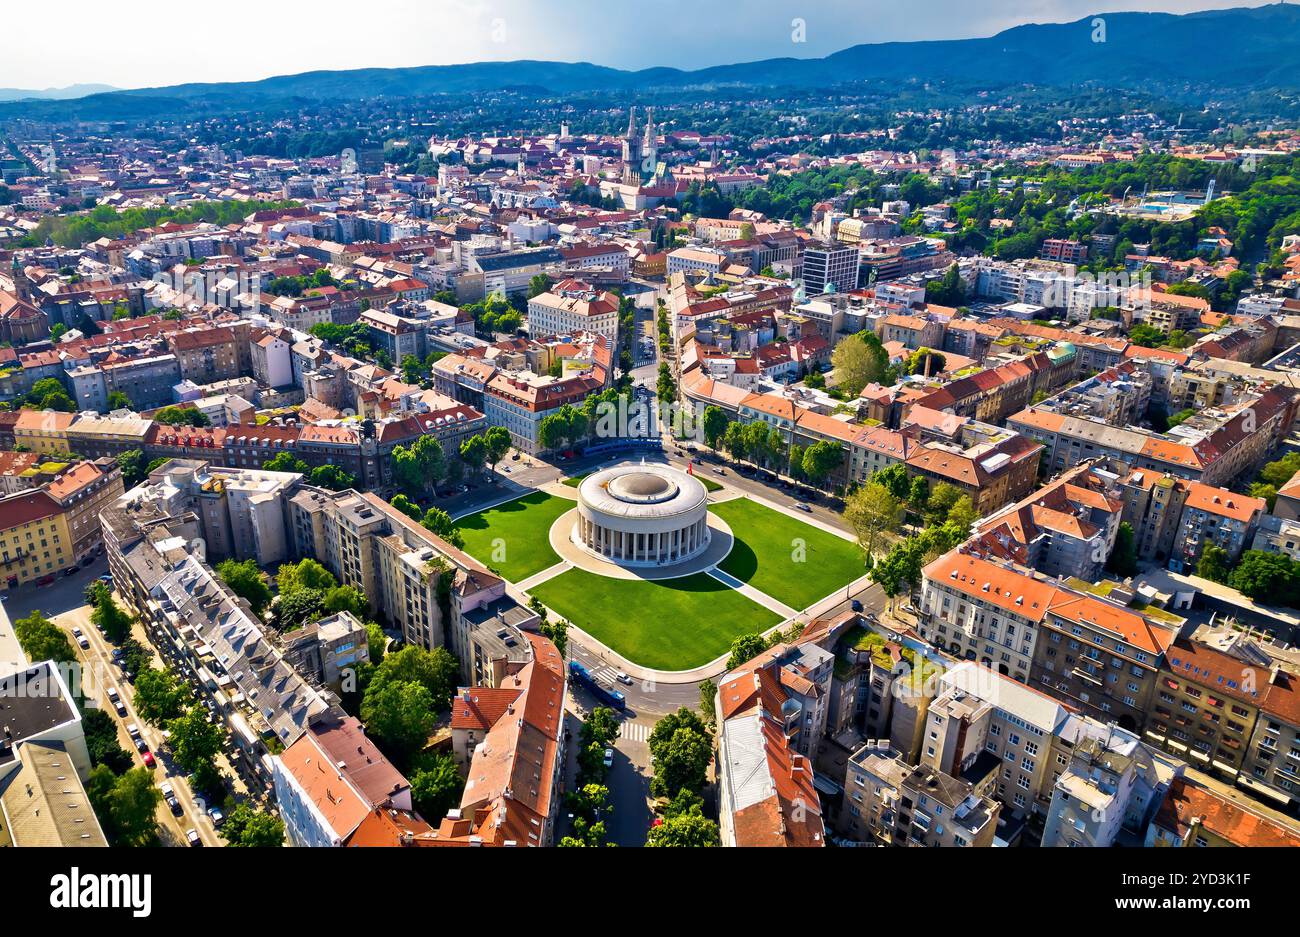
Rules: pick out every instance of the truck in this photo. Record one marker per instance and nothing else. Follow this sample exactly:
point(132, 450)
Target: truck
point(610, 697)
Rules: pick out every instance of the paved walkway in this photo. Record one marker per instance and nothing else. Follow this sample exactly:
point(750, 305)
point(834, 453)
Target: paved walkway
point(550, 572)
point(754, 595)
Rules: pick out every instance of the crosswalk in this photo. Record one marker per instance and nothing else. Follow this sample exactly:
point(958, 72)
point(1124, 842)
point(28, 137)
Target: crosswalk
point(634, 731)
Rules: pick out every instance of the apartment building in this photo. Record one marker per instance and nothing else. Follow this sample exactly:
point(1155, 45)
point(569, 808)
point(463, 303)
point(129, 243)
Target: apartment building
point(767, 795)
point(329, 781)
point(936, 809)
point(520, 401)
point(1065, 529)
point(44, 762)
point(205, 355)
point(826, 269)
point(1194, 815)
point(35, 542)
point(264, 703)
point(573, 306)
point(1214, 446)
point(512, 791)
point(1107, 786)
point(82, 492)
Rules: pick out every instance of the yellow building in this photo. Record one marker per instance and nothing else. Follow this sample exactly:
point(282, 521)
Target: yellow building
point(34, 538)
point(44, 431)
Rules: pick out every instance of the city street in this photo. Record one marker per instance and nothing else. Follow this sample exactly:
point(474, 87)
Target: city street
point(63, 602)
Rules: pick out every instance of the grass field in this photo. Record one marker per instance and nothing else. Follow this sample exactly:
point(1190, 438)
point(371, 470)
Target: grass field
point(670, 624)
point(523, 526)
point(765, 554)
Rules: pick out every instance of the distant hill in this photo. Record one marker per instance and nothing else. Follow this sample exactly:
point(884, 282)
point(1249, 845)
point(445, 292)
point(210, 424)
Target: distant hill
point(53, 94)
point(1217, 50)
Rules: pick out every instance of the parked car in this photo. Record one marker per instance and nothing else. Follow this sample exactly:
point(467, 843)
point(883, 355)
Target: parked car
point(855, 605)
point(133, 730)
point(82, 641)
point(609, 758)
point(169, 797)
point(147, 757)
point(192, 837)
point(623, 678)
point(216, 816)
point(45, 580)
point(803, 507)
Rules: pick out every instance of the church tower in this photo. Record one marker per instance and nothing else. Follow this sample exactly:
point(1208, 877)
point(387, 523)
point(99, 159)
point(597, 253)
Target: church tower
point(631, 170)
point(650, 146)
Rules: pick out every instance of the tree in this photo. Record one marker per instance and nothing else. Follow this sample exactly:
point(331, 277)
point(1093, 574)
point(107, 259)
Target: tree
point(412, 369)
point(558, 633)
point(101, 741)
point(690, 829)
point(418, 468)
point(539, 284)
point(400, 714)
point(963, 514)
point(1214, 564)
point(1272, 578)
point(745, 648)
point(708, 690)
point(873, 513)
point(42, 639)
point(474, 453)
point(552, 432)
point(160, 695)
point(286, 462)
point(733, 440)
point(196, 742)
point(346, 599)
point(498, 444)
point(252, 829)
point(182, 416)
point(926, 362)
point(294, 609)
point(436, 786)
point(439, 522)
point(108, 616)
point(407, 507)
point(125, 805)
point(246, 581)
point(918, 493)
point(305, 574)
point(896, 480)
point(665, 387)
point(437, 671)
point(941, 500)
point(852, 363)
point(1123, 560)
point(131, 463)
point(118, 401)
point(714, 425)
point(819, 460)
point(332, 477)
point(681, 762)
point(600, 728)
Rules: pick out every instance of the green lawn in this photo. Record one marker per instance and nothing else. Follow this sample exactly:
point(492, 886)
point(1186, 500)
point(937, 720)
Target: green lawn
point(671, 624)
point(766, 554)
point(523, 526)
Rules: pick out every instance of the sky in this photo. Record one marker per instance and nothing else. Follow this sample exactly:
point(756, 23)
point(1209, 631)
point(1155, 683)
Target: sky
point(151, 43)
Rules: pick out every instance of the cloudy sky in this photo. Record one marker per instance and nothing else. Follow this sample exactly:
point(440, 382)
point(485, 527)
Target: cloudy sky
point(148, 43)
